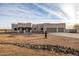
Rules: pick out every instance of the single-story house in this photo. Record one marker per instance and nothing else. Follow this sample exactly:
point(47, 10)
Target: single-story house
point(49, 27)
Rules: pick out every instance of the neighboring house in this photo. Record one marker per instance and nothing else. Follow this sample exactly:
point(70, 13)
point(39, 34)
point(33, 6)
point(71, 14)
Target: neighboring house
point(39, 28)
point(71, 30)
point(77, 30)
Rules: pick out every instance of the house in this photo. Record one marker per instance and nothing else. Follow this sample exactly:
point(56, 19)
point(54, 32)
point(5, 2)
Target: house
point(39, 28)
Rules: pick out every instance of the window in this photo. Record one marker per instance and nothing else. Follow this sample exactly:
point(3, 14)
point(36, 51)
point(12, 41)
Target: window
point(15, 29)
point(41, 28)
point(34, 28)
point(23, 28)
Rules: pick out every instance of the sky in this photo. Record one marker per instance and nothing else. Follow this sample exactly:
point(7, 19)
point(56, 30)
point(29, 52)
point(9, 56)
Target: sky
point(37, 13)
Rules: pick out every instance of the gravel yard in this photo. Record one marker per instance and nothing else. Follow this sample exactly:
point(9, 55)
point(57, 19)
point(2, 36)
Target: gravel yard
point(35, 39)
point(73, 35)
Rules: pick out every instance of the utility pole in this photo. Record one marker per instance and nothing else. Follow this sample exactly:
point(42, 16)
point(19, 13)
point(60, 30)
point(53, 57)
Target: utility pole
point(45, 34)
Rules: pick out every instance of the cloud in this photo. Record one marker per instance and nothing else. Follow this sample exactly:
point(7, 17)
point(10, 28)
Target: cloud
point(30, 12)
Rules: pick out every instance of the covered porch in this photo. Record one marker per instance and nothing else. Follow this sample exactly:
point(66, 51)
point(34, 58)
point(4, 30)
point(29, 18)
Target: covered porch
point(23, 29)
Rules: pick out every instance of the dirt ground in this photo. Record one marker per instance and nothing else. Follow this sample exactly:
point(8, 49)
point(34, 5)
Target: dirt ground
point(11, 50)
point(34, 39)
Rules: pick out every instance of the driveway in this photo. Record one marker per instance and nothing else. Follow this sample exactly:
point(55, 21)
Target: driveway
point(74, 35)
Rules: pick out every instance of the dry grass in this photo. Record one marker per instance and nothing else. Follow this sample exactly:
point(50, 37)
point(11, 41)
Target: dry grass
point(34, 39)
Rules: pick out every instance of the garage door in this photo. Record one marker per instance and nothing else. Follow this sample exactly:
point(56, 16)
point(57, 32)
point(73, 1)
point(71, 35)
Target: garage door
point(60, 29)
point(51, 29)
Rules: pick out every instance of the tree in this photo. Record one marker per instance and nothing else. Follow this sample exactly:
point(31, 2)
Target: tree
point(76, 26)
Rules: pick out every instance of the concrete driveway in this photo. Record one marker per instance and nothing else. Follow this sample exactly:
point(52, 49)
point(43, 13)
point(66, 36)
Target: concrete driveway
point(74, 35)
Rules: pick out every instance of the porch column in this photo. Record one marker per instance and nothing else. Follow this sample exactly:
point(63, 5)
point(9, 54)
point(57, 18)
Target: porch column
point(24, 30)
point(64, 30)
point(56, 29)
point(18, 30)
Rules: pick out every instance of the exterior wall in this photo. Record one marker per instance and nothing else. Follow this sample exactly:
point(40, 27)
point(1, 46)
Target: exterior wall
point(14, 27)
point(39, 28)
point(24, 25)
point(34, 28)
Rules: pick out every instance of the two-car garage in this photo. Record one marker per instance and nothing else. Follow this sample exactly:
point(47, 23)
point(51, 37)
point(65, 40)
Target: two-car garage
point(55, 29)
point(61, 30)
point(51, 29)
point(60, 27)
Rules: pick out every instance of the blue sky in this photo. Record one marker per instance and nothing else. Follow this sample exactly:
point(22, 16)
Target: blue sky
point(33, 12)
